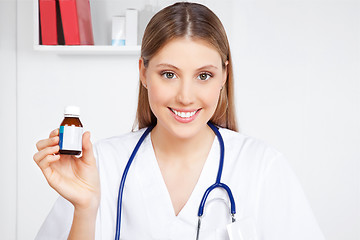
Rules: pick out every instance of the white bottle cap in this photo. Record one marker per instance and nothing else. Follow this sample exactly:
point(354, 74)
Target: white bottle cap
point(72, 111)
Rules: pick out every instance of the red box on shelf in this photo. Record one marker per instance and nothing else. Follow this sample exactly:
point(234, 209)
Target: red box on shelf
point(48, 22)
point(76, 22)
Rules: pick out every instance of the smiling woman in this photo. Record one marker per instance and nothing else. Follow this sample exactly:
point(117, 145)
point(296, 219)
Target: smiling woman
point(185, 100)
point(199, 24)
point(184, 89)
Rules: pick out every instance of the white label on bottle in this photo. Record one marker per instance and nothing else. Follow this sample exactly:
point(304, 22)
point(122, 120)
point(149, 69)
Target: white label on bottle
point(70, 138)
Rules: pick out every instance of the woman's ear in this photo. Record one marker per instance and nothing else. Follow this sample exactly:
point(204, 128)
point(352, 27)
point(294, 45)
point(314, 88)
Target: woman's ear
point(142, 72)
point(225, 73)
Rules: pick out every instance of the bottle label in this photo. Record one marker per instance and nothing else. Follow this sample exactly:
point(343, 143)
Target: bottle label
point(70, 138)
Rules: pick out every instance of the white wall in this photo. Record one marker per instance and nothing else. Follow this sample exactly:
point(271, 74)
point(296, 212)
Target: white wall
point(8, 163)
point(297, 83)
point(298, 68)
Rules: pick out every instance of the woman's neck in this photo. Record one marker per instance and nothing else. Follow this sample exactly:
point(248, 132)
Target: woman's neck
point(181, 150)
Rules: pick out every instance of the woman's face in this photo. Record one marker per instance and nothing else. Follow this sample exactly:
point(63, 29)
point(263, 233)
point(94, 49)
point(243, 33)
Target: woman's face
point(184, 81)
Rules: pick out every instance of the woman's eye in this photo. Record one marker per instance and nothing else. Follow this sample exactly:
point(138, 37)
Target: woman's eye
point(204, 76)
point(168, 75)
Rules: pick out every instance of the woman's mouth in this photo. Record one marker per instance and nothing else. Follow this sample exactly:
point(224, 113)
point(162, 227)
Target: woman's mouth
point(185, 116)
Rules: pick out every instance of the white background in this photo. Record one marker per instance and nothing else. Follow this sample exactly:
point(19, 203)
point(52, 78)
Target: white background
point(297, 72)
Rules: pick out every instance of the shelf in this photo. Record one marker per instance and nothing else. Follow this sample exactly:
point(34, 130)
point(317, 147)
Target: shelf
point(90, 50)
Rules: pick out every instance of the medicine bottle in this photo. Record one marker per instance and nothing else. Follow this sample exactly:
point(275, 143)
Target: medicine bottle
point(71, 130)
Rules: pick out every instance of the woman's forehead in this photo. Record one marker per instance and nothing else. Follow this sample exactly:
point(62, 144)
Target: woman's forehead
point(187, 51)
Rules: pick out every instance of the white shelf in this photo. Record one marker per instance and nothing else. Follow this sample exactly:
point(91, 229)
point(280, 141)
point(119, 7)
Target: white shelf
point(89, 50)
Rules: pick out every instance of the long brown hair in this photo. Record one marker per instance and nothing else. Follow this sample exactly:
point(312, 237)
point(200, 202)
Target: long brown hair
point(192, 20)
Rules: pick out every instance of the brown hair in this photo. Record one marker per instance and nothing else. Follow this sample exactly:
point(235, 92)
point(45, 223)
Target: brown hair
point(192, 20)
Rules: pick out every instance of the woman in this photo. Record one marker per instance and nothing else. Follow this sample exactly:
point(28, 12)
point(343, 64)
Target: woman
point(186, 80)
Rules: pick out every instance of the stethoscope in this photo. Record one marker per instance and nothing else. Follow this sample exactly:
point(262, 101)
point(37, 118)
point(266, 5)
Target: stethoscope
point(217, 184)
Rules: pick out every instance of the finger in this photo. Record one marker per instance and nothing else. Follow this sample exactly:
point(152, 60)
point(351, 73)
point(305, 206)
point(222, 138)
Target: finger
point(39, 156)
point(44, 143)
point(87, 148)
point(54, 133)
point(45, 162)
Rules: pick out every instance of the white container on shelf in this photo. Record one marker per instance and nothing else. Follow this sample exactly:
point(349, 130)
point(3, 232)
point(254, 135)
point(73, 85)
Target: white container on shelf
point(131, 27)
point(118, 31)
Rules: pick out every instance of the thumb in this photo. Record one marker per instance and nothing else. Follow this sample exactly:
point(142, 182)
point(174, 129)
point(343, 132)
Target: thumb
point(87, 148)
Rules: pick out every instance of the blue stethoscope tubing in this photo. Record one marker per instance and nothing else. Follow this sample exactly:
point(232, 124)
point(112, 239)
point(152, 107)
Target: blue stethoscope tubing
point(217, 184)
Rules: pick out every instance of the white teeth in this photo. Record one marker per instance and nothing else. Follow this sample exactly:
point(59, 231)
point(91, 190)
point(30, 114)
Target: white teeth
point(184, 114)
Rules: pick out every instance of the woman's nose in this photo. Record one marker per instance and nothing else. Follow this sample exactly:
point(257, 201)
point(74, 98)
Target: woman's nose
point(185, 93)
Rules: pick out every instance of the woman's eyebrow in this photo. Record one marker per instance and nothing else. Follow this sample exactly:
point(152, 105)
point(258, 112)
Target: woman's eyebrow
point(167, 65)
point(172, 66)
point(207, 66)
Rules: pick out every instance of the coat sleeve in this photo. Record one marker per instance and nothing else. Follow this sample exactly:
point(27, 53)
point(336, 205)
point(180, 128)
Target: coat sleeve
point(283, 210)
point(58, 223)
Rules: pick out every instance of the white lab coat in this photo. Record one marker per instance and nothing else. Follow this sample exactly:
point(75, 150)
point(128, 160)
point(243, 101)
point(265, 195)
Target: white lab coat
point(266, 191)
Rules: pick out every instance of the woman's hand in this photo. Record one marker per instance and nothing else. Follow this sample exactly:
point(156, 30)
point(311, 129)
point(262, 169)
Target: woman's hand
point(76, 179)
